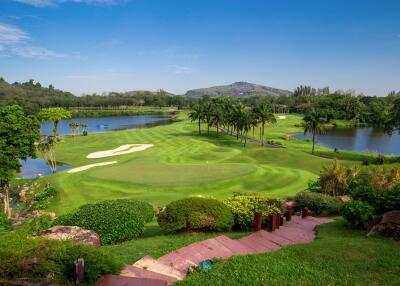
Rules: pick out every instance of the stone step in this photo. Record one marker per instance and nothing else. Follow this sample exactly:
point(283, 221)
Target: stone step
point(176, 261)
point(157, 266)
point(302, 224)
point(220, 251)
point(294, 234)
point(117, 280)
point(134, 271)
point(233, 245)
point(196, 253)
point(258, 237)
point(279, 240)
point(253, 243)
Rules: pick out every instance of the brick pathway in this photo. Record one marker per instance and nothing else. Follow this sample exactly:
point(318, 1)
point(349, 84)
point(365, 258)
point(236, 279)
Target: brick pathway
point(173, 266)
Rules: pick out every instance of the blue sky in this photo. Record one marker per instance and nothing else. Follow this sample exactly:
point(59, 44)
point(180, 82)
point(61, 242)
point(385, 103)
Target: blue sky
point(87, 46)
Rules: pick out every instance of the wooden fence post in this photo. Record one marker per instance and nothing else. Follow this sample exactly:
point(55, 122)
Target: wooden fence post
point(79, 271)
point(258, 221)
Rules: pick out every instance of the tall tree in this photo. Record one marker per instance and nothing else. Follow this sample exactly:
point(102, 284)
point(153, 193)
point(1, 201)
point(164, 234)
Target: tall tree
point(197, 114)
point(54, 114)
point(314, 123)
point(18, 134)
point(264, 115)
point(74, 126)
point(46, 147)
point(393, 123)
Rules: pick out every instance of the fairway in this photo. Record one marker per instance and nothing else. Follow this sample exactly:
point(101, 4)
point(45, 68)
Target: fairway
point(183, 163)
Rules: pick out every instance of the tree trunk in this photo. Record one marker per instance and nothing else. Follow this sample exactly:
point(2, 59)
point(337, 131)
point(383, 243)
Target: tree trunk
point(313, 142)
point(6, 199)
point(245, 139)
point(217, 129)
point(199, 127)
point(208, 129)
point(262, 134)
point(55, 127)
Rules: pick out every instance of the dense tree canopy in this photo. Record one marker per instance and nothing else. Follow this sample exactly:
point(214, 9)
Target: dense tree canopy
point(18, 134)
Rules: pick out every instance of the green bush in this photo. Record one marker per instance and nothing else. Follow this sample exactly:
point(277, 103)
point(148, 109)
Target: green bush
point(36, 224)
point(244, 206)
point(358, 213)
point(381, 200)
point(195, 214)
point(22, 256)
point(114, 221)
point(42, 198)
point(317, 203)
point(4, 222)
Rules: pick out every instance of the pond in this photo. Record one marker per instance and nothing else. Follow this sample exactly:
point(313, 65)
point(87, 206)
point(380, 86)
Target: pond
point(103, 124)
point(365, 139)
point(32, 168)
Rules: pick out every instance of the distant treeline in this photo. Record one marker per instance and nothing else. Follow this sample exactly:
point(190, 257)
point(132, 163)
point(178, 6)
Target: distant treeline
point(360, 109)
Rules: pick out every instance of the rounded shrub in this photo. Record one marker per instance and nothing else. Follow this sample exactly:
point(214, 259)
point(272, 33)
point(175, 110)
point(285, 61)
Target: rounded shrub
point(381, 200)
point(199, 214)
point(317, 203)
point(38, 259)
point(244, 206)
point(358, 213)
point(114, 221)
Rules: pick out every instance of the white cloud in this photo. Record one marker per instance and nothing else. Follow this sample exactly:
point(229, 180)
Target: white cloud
point(177, 69)
point(11, 35)
point(15, 41)
point(35, 52)
point(46, 3)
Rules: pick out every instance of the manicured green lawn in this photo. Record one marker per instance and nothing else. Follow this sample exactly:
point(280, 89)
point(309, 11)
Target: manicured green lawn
point(183, 163)
point(339, 256)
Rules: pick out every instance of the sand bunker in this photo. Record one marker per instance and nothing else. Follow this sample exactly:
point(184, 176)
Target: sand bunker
point(282, 117)
point(121, 150)
point(86, 167)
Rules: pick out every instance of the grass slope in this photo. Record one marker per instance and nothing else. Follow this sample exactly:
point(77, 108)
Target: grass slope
point(339, 256)
point(182, 164)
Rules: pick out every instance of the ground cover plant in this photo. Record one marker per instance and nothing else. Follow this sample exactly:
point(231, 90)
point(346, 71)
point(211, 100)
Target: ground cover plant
point(22, 256)
point(196, 214)
point(114, 221)
point(317, 203)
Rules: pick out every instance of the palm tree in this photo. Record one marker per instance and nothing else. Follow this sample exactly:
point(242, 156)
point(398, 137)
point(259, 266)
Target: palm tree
point(46, 147)
point(264, 115)
point(197, 114)
point(74, 126)
point(314, 124)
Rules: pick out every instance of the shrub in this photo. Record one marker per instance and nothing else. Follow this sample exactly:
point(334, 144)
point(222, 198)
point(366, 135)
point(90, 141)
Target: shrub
point(381, 200)
point(335, 179)
point(37, 258)
point(114, 221)
point(314, 186)
point(196, 214)
point(358, 213)
point(317, 203)
point(4, 222)
point(274, 142)
point(36, 224)
point(244, 206)
point(42, 198)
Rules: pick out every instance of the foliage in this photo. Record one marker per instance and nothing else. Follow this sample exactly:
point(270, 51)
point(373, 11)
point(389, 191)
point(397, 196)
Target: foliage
point(381, 200)
point(314, 124)
point(384, 179)
point(54, 114)
point(22, 256)
point(358, 213)
point(195, 214)
point(36, 223)
point(4, 223)
point(46, 147)
point(114, 221)
point(38, 198)
point(244, 206)
point(18, 134)
point(393, 124)
point(74, 126)
point(314, 186)
point(336, 179)
point(317, 203)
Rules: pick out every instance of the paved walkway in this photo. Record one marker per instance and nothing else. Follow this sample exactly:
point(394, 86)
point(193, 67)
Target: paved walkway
point(174, 266)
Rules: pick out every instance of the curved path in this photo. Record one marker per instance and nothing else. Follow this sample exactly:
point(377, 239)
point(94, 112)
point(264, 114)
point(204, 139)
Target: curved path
point(174, 266)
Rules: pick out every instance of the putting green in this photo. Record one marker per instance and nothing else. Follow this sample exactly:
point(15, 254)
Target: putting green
point(183, 163)
point(147, 171)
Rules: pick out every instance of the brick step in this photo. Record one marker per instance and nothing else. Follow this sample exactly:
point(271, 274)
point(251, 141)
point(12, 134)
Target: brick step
point(134, 271)
point(176, 261)
point(258, 243)
point(117, 280)
point(157, 266)
point(294, 234)
point(233, 245)
point(220, 251)
point(279, 240)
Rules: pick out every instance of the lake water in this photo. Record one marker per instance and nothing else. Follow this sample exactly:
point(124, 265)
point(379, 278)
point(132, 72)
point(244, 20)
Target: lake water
point(103, 124)
point(367, 139)
point(32, 168)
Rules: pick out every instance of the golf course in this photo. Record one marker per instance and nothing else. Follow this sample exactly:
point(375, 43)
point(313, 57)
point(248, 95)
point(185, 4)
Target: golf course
point(182, 163)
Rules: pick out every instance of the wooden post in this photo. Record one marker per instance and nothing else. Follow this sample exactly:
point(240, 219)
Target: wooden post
point(281, 218)
point(278, 221)
point(79, 271)
point(273, 219)
point(257, 221)
point(304, 212)
point(288, 215)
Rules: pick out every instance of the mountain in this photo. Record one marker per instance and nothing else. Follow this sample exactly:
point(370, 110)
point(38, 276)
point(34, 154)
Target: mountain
point(238, 89)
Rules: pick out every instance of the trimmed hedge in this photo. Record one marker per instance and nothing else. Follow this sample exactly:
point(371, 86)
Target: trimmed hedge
point(195, 214)
point(244, 206)
point(114, 221)
point(317, 203)
point(37, 258)
point(358, 213)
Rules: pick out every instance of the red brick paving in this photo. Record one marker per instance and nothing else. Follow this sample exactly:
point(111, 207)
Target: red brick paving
point(174, 266)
